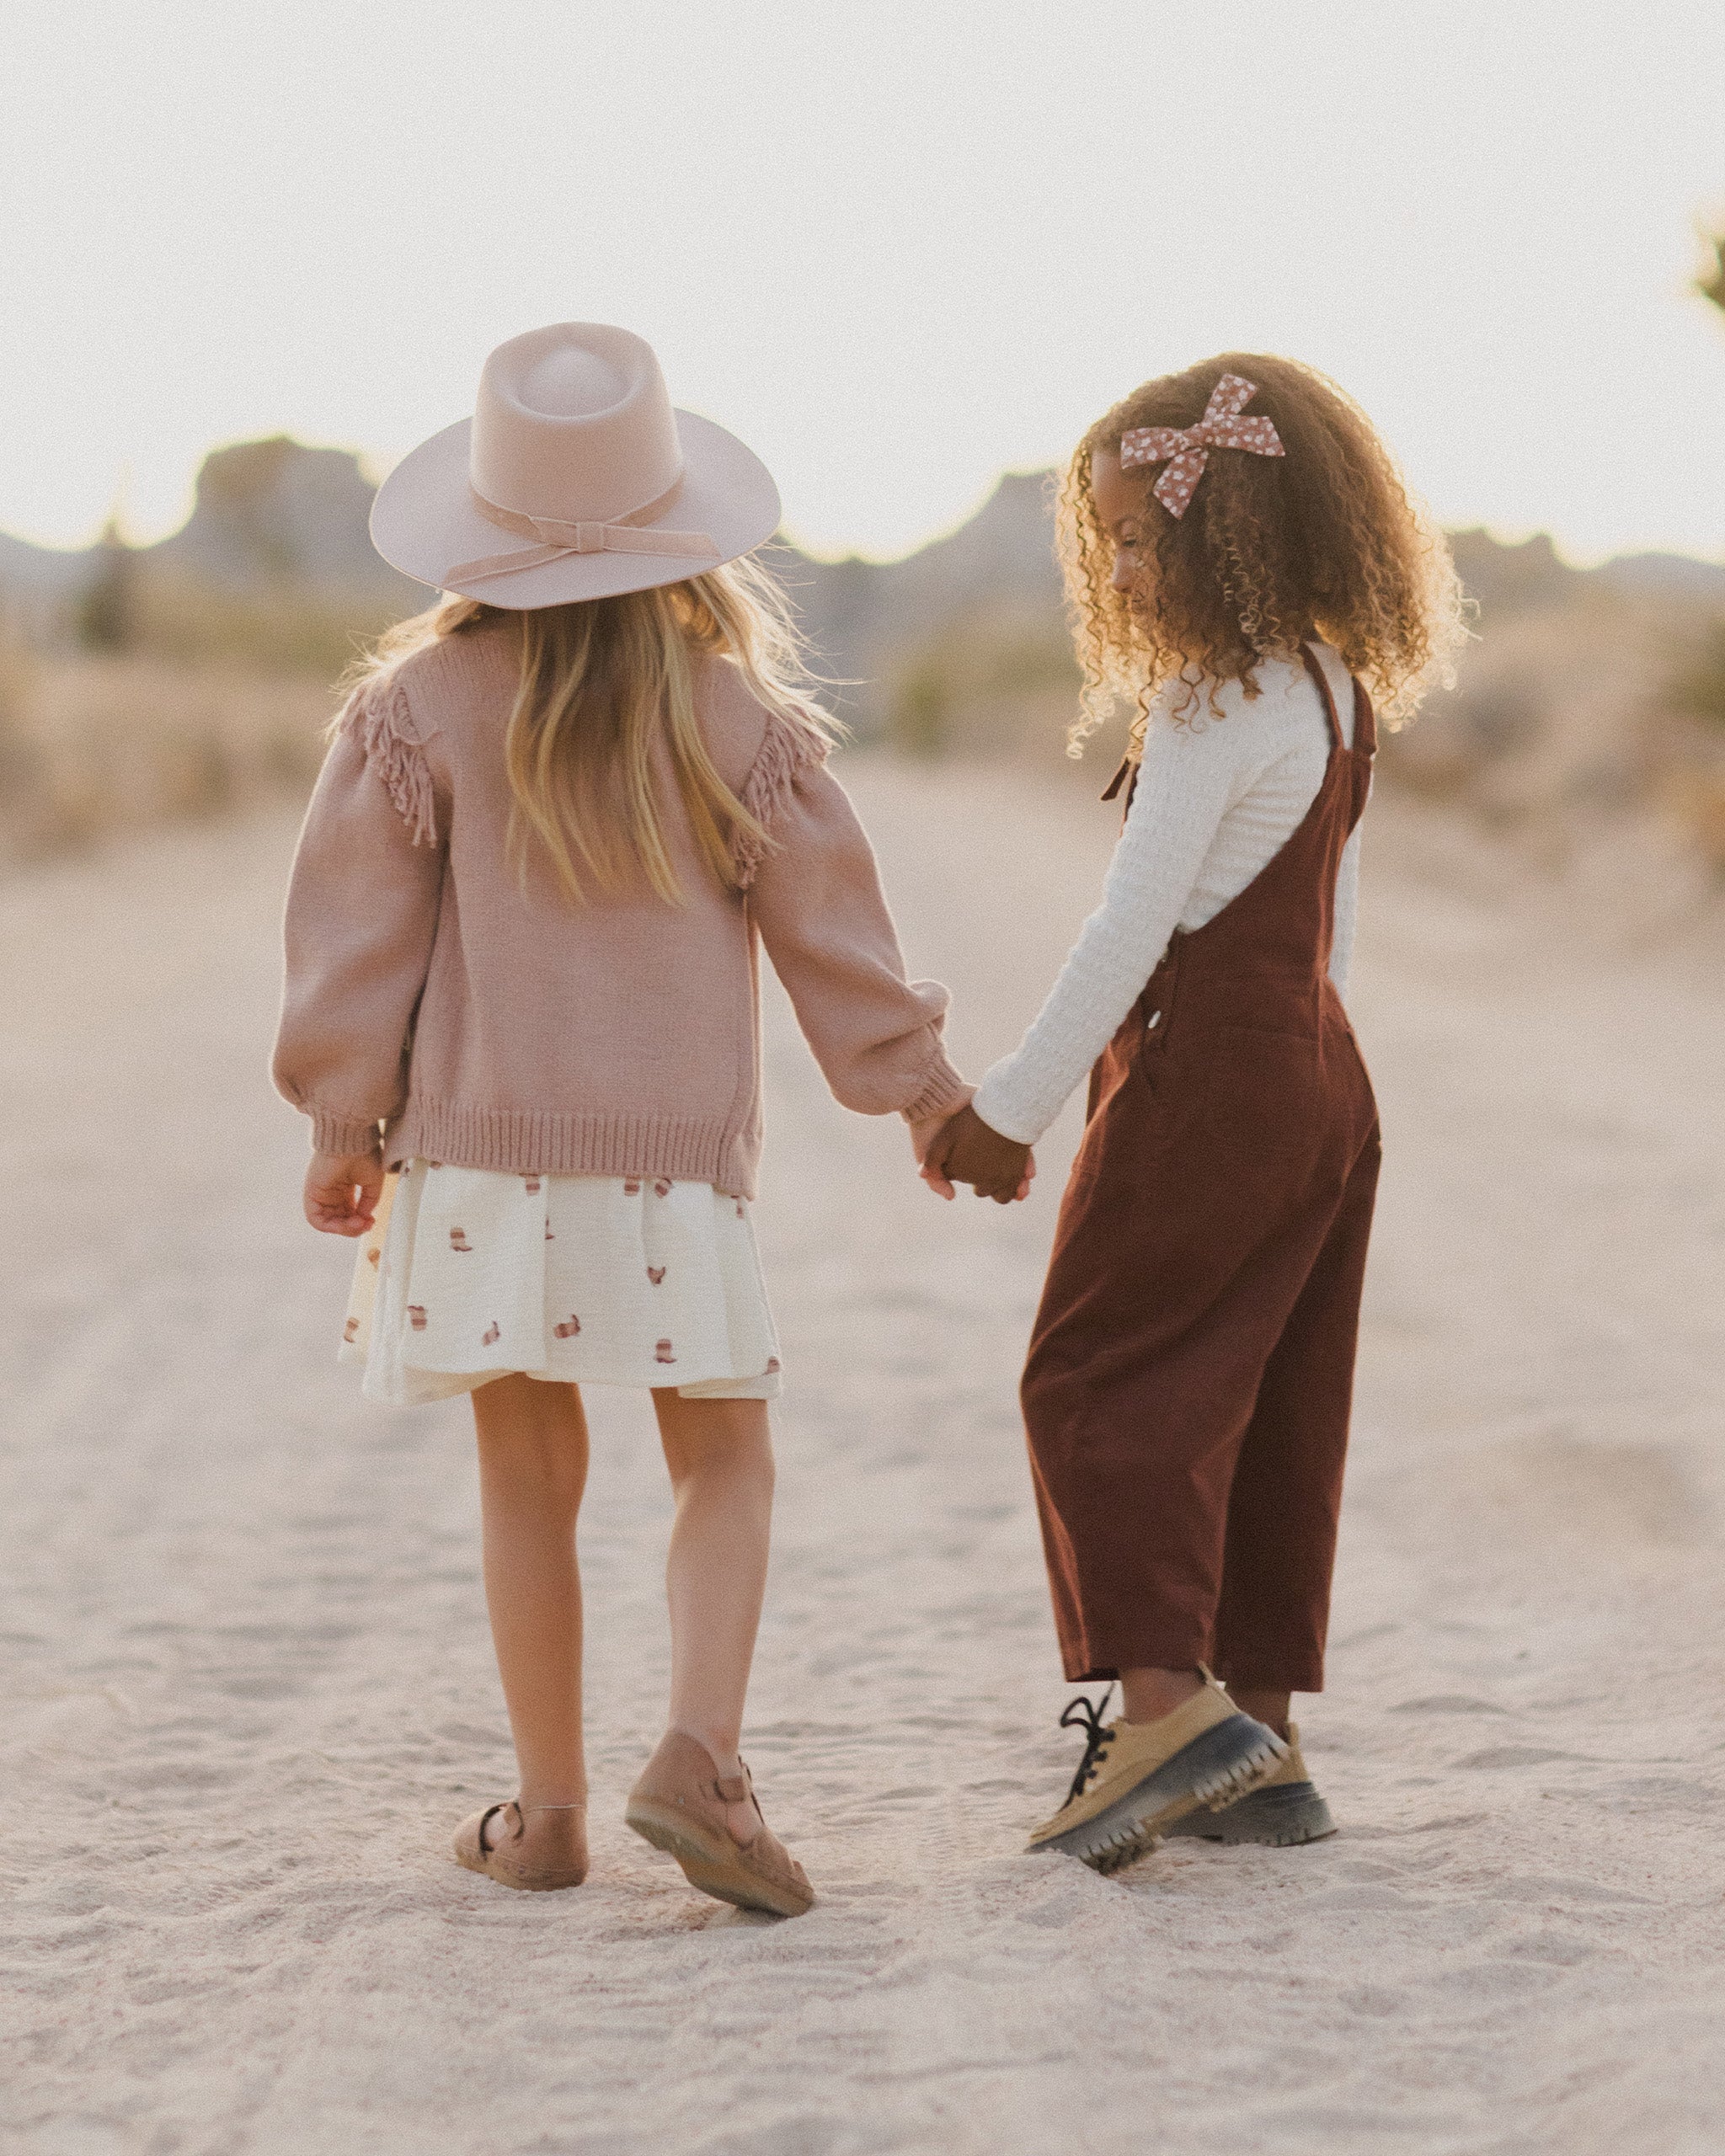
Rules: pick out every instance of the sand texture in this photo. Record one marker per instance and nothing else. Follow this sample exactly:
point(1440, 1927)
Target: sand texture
point(249, 1689)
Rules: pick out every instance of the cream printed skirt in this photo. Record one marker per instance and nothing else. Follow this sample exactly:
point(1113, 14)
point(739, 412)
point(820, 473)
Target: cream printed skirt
point(468, 1274)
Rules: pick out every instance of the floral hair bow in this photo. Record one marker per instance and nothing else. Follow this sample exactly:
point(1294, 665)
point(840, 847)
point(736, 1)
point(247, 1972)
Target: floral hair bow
point(1186, 449)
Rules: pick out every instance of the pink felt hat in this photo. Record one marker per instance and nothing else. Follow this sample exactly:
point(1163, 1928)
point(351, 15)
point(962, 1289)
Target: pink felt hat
point(575, 478)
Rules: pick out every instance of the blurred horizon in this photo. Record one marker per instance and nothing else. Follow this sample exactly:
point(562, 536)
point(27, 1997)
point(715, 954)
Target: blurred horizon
point(899, 251)
point(116, 524)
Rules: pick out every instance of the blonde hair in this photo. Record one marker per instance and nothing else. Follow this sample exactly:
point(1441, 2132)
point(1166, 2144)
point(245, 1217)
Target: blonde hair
point(603, 683)
point(1327, 540)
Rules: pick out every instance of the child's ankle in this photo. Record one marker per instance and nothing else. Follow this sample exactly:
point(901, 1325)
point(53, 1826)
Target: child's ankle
point(552, 1796)
point(1272, 1708)
point(1148, 1694)
point(720, 1746)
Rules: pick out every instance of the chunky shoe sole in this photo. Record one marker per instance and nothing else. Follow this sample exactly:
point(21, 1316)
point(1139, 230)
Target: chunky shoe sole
point(1214, 1769)
point(712, 1863)
point(1278, 1819)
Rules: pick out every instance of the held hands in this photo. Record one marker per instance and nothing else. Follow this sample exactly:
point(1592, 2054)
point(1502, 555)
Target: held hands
point(963, 1149)
point(342, 1190)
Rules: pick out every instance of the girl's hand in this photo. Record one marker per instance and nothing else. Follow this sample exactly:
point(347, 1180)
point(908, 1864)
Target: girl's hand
point(342, 1190)
point(968, 1150)
point(923, 1135)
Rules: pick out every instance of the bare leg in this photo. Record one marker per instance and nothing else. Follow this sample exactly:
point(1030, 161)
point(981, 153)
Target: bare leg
point(533, 1470)
point(1270, 1708)
point(1148, 1694)
point(719, 1453)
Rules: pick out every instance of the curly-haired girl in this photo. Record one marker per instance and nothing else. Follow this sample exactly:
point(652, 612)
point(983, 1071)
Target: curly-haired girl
point(1244, 562)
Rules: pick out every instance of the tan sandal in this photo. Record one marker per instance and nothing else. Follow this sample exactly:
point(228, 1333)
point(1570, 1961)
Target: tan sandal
point(558, 1857)
point(679, 1805)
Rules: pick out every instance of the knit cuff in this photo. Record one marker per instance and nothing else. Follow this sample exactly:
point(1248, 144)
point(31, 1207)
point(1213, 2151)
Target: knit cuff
point(347, 1134)
point(943, 1091)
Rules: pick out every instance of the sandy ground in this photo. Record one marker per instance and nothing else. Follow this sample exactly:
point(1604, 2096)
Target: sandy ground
point(248, 1688)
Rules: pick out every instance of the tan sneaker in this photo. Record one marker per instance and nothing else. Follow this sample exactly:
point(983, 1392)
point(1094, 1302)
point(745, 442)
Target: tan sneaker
point(1136, 1779)
point(1282, 1811)
point(679, 1805)
point(556, 1857)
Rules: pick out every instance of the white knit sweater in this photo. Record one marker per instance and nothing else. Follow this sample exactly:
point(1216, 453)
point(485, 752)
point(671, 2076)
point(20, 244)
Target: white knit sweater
point(1217, 798)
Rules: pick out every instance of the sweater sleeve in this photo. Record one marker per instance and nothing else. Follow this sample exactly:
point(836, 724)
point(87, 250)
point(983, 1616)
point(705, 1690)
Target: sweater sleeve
point(815, 891)
point(1189, 778)
point(362, 906)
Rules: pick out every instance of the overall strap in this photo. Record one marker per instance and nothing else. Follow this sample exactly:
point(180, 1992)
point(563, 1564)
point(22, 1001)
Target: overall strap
point(1365, 724)
point(1322, 680)
point(1365, 737)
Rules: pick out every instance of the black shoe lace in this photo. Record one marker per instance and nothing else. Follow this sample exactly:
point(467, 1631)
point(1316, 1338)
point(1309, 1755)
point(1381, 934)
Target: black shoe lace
point(1084, 1713)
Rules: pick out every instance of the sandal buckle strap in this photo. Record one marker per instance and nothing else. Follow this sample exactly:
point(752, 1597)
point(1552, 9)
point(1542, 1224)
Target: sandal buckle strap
point(490, 1812)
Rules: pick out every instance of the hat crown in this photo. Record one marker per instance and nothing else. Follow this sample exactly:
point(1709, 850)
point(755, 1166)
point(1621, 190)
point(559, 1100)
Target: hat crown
point(573, 423)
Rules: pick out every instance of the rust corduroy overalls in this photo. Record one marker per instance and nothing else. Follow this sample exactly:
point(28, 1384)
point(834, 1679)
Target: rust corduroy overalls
point(1190, 1375)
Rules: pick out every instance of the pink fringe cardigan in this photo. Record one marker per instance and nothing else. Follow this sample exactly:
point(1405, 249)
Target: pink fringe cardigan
point(432, 997)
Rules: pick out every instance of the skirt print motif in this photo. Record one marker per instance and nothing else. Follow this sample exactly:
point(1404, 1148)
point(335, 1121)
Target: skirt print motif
point(469, 1274)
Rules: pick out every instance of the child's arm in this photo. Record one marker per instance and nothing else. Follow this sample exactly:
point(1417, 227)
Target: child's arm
point(1186, 782)
point(816, 898)
point(362, 914)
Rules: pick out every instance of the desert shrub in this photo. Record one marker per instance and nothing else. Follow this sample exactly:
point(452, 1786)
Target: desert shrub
point(103, 743)
point(281, 628)
point(918, 716)
point(1698, 685)
point(105, 616)
point(1555, 715)
point(984, 686)
point(1031, 664)
point(21, 760)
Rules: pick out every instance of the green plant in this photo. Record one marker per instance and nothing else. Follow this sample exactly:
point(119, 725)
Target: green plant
point(1699, 687)
point(1711, 284)
point(921, 709)
point(277, 629)
point(106, 615)
point(1030, 665)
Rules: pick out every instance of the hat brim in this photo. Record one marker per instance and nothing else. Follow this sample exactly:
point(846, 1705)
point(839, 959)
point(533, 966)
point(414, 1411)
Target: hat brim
point(423, 522)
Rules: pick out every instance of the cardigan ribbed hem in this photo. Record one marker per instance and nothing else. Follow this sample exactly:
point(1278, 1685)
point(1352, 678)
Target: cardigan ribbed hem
point(536, 1141)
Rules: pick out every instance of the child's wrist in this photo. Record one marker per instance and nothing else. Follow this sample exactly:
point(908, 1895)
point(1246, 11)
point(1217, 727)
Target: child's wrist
point(345, 1137)
point(944, 1092)
point(990, 1112)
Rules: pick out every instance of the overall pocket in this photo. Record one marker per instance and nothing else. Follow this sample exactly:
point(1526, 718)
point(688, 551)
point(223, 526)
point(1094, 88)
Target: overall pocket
point(1264, 1106)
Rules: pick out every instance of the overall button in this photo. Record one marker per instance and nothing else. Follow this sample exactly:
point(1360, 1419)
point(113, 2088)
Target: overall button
point(1155, 1019)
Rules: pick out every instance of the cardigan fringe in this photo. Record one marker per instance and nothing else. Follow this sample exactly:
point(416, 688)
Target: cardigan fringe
point(786, 748)
point(377, 717)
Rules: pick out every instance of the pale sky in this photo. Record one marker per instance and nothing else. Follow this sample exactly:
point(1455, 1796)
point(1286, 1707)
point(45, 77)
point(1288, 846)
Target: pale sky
point(897, 245)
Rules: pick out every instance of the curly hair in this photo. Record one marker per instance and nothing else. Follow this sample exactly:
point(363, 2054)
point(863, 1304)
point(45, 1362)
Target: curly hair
point(1324, 540)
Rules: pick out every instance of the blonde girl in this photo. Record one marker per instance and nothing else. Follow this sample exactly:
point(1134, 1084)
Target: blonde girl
point(560, 813)
point(1244, 563)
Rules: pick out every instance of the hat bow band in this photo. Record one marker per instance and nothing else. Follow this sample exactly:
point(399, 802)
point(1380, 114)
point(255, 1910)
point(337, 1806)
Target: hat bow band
point(557, 539)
